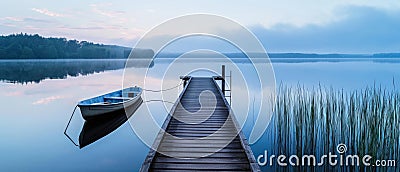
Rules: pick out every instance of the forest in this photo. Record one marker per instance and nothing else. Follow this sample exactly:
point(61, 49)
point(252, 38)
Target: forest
point(26, 46)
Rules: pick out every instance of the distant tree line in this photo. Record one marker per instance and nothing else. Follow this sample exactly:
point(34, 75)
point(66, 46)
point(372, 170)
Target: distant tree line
point(25, 46)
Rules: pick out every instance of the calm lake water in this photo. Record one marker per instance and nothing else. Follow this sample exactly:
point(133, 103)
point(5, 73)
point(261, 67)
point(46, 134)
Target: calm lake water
point(39, 96)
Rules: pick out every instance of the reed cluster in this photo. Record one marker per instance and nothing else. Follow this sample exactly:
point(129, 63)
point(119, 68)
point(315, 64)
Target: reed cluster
point(315, 120)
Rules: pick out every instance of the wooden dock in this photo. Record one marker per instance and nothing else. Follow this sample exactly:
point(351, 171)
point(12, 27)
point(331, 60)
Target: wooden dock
point(214, 144)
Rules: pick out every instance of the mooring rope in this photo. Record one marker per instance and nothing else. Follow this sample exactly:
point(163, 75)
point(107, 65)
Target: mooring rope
point(66, 128)
point(73, 112)
point(158, 100)
point(148, 101)
point(163, 89)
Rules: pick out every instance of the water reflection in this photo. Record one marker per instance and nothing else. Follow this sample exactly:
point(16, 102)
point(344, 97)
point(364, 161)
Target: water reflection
point(34, 71)
point(34, 115)
point(94, 130)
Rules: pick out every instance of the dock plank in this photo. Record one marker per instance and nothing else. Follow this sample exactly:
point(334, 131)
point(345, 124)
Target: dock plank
point(201, 138)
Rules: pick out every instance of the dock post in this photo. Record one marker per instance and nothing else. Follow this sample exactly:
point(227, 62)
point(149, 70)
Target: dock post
point(230, 87)
point(223, 79)
point(185, 80)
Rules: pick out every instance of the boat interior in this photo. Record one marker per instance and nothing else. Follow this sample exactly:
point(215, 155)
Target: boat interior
point(113, 97)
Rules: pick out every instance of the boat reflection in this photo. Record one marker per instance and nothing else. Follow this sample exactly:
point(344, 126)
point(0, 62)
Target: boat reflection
point(95, 129)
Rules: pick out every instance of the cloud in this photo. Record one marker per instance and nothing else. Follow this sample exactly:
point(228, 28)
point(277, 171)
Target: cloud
point(47, 12)
point(99, 8)
point(363, 30)
point(15, 19)
point(83, 28)
point(27, 19)
point(13, 24)
point(35, 20)
point(47, 100)
point(8, 24)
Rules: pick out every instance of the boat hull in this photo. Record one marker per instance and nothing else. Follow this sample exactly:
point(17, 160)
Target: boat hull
point(95, 129)
point(103, 110)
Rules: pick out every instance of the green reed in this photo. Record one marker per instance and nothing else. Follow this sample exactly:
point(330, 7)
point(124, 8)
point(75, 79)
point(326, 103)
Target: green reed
point(314, 121)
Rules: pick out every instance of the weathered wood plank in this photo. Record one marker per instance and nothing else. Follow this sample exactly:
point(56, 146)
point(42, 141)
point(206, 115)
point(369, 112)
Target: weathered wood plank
point(197, 149)
point(196, 131)
point(199, 145)
point(205, 160)
point(188, 166)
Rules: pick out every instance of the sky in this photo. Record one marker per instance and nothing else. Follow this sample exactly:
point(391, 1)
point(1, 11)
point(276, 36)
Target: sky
point(325, 26)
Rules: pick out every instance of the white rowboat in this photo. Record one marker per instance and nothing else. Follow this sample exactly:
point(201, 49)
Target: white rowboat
point(104, 105)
